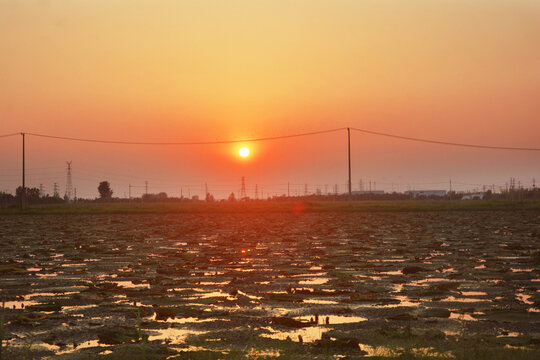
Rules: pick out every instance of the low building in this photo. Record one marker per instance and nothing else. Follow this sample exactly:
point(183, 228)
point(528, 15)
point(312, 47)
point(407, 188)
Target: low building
point(475, 196)
point(426, 193)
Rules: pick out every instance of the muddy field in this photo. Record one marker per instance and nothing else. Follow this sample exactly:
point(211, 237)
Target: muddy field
point(313, 286)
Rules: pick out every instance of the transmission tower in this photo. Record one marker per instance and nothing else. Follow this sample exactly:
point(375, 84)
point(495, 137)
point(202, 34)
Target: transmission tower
point(55, 190)
point(243, 188)
point(69, 184)
point(40, 190)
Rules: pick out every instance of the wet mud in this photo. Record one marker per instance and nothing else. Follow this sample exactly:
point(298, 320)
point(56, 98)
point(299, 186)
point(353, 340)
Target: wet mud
point(314, 285)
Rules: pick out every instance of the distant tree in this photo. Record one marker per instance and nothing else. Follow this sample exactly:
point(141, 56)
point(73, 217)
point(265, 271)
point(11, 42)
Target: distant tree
point(105, 191)
point(6, 198)
point(209, 197)
point(32, 194)
point(232, 197)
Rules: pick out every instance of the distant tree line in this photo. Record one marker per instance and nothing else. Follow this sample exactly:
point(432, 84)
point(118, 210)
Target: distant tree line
point(33, 196)
point(515, 194)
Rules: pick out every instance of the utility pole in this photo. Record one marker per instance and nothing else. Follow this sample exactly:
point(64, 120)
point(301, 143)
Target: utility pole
point(129, 191)
point(243, 188)
point(450, 185)
point(256, 192)
point(206, 191)
point(23, 195)
point(288, 189)
point(146, 187)
point(69, 184)
point(349, 148)
point(305, 189)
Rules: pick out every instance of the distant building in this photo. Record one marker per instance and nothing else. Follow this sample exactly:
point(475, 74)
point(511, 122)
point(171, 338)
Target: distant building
point(426, 193)
point(475, 196)
point(362, 192)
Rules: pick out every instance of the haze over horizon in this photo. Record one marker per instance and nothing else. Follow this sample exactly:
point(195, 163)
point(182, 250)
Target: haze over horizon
point(462, 71)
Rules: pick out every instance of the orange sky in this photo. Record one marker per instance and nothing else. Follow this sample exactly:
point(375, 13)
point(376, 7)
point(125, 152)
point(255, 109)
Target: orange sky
point(464, 71)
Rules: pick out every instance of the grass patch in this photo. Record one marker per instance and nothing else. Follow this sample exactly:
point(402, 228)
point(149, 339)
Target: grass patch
point(279, 207)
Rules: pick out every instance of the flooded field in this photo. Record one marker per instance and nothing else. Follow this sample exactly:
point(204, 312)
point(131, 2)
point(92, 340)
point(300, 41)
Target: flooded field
point(233, 286)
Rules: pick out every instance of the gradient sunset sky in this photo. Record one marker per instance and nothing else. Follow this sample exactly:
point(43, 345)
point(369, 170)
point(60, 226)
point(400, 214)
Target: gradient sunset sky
point(462, 71)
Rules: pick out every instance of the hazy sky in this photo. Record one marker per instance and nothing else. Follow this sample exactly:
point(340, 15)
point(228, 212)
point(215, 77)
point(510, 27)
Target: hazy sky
point(463, 71)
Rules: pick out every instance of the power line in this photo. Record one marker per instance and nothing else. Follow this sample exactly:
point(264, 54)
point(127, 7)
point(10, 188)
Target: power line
point(444, 142)
point(7, 135)
point(431, 141)
point(188, 143)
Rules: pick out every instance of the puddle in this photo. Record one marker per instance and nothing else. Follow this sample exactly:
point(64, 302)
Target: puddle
point(73, 265)
point(47, 275)
point(509, 334)
point(473, 293)
point(332, 319)
point(465, 317)
point(70, 348)
point(396, 272)
point(309, 334)
point(18, 304)
point(465, 300)
point(213, 283)
point(187, 320)
point(317, 281)
point(423, 282)
point(526, 299)
point(320, 302)
point(130, 284)
point(172, 335)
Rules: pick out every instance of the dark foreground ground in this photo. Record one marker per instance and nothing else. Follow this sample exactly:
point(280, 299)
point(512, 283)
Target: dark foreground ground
point(319, 285)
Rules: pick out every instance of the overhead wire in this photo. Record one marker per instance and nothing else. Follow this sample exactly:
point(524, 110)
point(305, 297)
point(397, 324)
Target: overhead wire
point(444, 142)
point(8, 135)
point(189, 142)
point(268, 138)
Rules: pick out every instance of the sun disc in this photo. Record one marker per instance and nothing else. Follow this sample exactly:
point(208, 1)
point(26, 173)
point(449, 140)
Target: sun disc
point(243, 152)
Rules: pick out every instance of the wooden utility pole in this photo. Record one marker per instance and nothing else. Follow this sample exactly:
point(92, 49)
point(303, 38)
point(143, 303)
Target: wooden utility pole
point(349, 150)
point(23, 195)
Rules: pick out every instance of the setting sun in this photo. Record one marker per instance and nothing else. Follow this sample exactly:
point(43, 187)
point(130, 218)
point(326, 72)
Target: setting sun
point(244, 152)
